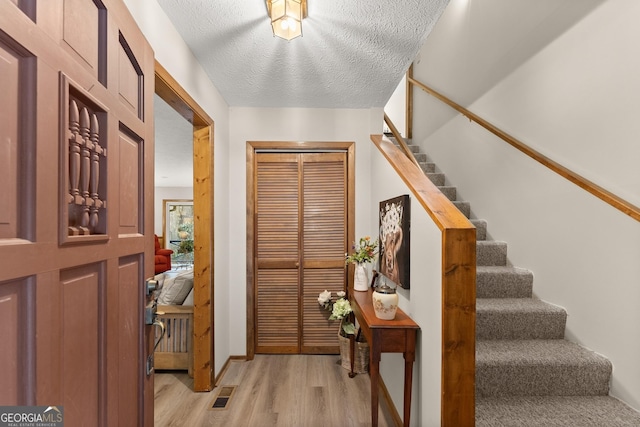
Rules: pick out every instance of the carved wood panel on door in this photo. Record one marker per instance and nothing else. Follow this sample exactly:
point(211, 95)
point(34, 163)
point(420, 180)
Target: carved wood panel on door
point(75, 238)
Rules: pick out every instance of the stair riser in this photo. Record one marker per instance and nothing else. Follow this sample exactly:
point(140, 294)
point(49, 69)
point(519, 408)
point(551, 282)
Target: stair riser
point(491, 253)
point(450, 192)
point(503, 285)
point(427, 167)
point(420, 158)
point(436, 178)
point(520, 325)
point(463, 207)
point(553, 380)
point(481, 228)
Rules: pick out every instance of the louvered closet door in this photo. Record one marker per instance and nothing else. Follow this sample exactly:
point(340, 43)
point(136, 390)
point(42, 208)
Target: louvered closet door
point(324, 228)
point(301, 241)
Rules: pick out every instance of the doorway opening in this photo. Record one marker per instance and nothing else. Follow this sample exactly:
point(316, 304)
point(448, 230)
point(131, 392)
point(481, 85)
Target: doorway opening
point(168, 89)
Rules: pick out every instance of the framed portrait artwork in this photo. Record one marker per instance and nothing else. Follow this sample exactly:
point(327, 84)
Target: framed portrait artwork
point(395, 219)
point(178, 225)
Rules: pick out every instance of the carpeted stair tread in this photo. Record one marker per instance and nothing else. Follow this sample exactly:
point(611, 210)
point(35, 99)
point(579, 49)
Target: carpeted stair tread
point(503, 282)
point(491, 252)
point(554, 411)
point(518, 318)
point(524, 382)
point(539, 368)
point(414, 148)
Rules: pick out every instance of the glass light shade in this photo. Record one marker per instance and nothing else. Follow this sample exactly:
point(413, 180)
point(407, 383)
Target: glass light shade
point(286, 18)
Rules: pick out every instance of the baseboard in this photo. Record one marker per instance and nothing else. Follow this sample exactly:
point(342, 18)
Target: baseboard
point(388, 403)
point(226, 366)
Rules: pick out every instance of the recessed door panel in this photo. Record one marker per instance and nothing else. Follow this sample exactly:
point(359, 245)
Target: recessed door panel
point(11, 322)
point(9, 142)
point(128, 335)
point(83, 31)
point(131, 164)
point(83, 341)
point(129, 79)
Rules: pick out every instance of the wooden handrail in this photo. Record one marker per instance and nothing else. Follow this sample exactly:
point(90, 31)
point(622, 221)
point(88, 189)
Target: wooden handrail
point(401, 141)
point(458, 288)
point(617, 202)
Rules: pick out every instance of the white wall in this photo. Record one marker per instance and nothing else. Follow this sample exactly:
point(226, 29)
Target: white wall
point(422, 302)
point(574, 98)
point(291, 124)
point(395, 108)
point(174, 55)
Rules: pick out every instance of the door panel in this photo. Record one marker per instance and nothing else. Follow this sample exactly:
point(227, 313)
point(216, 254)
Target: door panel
point(320, 335)
point(12, 303)
point(324, 177)
point(82, 325)
point(277, 208)
point(131, 166)
point(277, 329)
point(81, 31)
point(129, 80)
point(9, 157)
point(76, 241)
point(129, 350)
point(324, 238)
point(278, 237)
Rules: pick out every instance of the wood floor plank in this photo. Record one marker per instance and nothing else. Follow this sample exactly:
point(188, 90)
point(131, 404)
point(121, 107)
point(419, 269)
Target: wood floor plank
point(272, 391)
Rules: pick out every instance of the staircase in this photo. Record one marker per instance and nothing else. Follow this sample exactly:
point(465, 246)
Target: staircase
point(527, 374)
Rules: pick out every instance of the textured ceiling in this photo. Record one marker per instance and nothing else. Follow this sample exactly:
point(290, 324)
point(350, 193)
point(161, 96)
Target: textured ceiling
point(173, 147)
point(352, 54)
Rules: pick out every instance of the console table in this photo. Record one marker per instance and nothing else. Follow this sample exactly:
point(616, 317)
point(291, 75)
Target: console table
point(390, 336)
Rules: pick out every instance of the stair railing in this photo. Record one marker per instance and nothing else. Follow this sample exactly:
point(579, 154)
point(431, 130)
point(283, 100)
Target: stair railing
point(458, 286)
point(617, 202)
point(400, 139)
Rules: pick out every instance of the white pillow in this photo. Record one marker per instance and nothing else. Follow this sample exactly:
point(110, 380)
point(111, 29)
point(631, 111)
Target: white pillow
point(176, 289)
point(189, 299)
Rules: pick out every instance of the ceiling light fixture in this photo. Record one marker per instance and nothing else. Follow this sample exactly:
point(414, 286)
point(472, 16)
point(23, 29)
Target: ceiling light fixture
point(286, 17)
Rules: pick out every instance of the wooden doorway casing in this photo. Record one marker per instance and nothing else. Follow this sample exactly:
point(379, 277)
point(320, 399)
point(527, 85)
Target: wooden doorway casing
point(288, 146)
point(173, 94)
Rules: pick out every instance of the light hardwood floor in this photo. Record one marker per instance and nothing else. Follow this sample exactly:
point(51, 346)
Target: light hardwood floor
point(272, 390)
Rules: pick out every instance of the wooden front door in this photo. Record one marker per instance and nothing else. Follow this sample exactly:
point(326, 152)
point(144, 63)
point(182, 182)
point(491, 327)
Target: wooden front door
point(300, 218)
point(76, 220)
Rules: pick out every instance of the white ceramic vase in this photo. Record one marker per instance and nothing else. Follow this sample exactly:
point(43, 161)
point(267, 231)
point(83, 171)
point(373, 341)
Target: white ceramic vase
point(360, 278)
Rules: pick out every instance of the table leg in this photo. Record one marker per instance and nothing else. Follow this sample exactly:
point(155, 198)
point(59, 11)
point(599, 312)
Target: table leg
point(374, 372)
point(408, 378)
point(409, 357)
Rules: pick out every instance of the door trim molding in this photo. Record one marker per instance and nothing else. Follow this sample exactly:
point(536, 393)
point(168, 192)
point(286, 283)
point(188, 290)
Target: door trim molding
point(173, 94)
point(253, 147)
